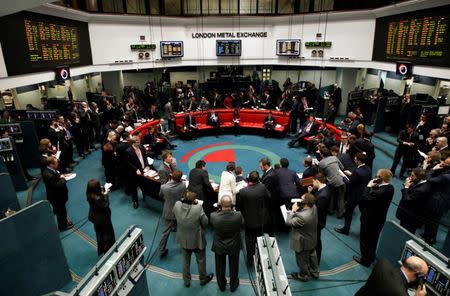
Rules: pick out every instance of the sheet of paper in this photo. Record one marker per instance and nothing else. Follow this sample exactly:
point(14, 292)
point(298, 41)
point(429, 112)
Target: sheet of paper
point(240, 185)
point(58, 154)
point(284, 212)
point(107, 186)
point(215, 186)
point(69, 176)
point(186, 183)
point(294, 200)
point(424, 156)
point(150, 160)
point(200, 202)
point(184, 177)
point(343, 175)
point(278, 125)
point(151, 173)
point(300, 175)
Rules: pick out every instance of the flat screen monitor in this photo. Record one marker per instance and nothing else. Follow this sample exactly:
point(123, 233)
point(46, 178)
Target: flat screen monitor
point(421, 98)
point(228, 47)
point(443, 110)
point(171, 49)
point(5, 145)
point(288, 47)
point(33, 42)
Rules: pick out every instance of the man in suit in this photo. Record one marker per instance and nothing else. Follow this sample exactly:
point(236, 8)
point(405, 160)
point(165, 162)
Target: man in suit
point(309, 128)
point(227, 241)
point(270, 180)
point(166, 168)
point(310, 169)
point(388, 280)
point(204, 104)
point(199, 180)
point(190, 125)
point(57, 192)
point(267, 101)
point(304, 237)
point(171, 192)
point(407, 148)
point(137, 166)
point(423, 128)
point(163, 133)
point(213, 120)
point(355, 122)
point(293, 115)
point(288, 182)
point(269, 124)
point(323, 195)
point(344, 158)
point(356, 184)
point(253, 201)
point(330, 166)
point(191, 221)
point(363, 145)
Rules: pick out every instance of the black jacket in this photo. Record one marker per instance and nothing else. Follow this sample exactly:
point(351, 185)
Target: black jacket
point(270, 180)
point(199, 183)
point(357, 182)
point(227, 235)
point(99, 211)
point(375, 204)
point(323, 197)
point(411, 204)
point(55, 186)
point(288, 182)
point(385, 280)
point(346, 161)
point(132, 160)
point(310, 171)
point(253, 202)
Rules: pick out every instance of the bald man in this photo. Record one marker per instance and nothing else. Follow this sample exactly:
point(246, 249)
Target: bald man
point(388, 280)
point(227, 241)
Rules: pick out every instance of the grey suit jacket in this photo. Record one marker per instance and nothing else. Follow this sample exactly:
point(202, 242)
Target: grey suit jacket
point(164, 173)
point(304, 229)
point(190, 223)
point(227, 232)
point(171, 192)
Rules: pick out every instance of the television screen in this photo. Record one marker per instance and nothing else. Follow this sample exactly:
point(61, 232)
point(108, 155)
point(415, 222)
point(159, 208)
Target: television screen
point(171, 49)
point(421, 37)
point(421, 98)
point(443, 110)
point(228, 47)
point(288, 47)
point(34, 42)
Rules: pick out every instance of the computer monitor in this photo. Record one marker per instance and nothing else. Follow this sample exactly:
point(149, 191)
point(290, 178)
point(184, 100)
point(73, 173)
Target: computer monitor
point(443, 110)
point(421, 98)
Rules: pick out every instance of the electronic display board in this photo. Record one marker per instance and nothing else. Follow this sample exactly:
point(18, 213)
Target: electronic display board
point(171, 49)
point(228, 47)
point(34, 42)
point(288, 47)
point(420, 37)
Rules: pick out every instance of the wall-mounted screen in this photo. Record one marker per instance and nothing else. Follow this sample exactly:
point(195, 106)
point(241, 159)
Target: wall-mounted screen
point(228, 47)
point(421, 37)
point(171, 49)
point(288, 47)
point(34, 42)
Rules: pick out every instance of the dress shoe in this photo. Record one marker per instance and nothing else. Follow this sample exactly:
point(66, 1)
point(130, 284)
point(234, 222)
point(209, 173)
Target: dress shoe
point(342, 230)
point(298, 277)
point(135, 204)
point(207, 280)
point(222, 289)
point(233, 288)
point(187, 284)
point(163, 253)
point(340, 216)
point(362, 261)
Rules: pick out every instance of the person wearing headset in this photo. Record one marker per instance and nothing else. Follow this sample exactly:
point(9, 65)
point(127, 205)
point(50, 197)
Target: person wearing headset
point(386, 279)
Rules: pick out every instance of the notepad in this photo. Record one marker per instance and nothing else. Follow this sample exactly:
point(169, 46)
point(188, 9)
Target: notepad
point(284, 212)
point(69, 176)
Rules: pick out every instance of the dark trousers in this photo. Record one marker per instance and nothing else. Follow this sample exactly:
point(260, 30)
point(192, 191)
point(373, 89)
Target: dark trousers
point(250, 241)
point(408, 160)
point(168, 226)
point(105, 237)
point(409, 225)
point(431, 226)
point(221, 263)
point(135, 182)
point(350, 206)
point(370, 232)
point(110, 173)
point(298, 138)
point(337, 202)
point(237, 131)
point(319, 244)
point(293, 124)
point(59, 209)
point(201, 263)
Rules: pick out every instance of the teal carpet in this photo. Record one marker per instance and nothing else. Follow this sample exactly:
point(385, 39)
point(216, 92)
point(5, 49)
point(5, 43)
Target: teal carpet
point(338, 271)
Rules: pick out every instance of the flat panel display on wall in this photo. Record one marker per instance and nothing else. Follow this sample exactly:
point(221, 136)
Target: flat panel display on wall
point(228, 47)
point(420, 37)
point(34, 42)
point(171, 49)
point(288, 47)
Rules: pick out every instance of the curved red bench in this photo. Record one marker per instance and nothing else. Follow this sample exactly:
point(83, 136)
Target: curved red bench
point(337, 132)
point(249, 118)
point(143, 129)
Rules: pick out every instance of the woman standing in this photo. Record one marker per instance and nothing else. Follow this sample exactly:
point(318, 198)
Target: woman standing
point(374, 206)
point(100, 216)
point(228, 182)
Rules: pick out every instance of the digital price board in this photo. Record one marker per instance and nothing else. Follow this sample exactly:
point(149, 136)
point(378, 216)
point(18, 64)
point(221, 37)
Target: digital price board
point(142, 46)
point(288, 47)
point(228, 47)
point(34, 42)
point(171, 49)
point(421, 37)
point(325, 44)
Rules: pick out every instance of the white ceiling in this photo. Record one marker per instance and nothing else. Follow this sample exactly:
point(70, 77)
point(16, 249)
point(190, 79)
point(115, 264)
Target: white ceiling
point(12, 6)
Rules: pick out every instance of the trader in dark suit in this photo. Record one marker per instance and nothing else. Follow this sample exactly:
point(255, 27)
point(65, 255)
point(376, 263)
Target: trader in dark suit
point(310, 169)
point(309, 128)
point(227, 241)
point(323, 197)
point(362, 145)
point(253, 202)
point(190, 126)
point(288, 182)
point(191, 221)
point(415, 193)
point(407, 140)
point(389, 280)
point(270, 180)
point(166, 168)
point(199, 180)
point(170, 192)
point(137, 166)
point(213, 120)
point(57, 192)
point(344, 158)
point(304, 237)
point(100, 216)
point(374, 206)
point(356, 184)
point(269, 124)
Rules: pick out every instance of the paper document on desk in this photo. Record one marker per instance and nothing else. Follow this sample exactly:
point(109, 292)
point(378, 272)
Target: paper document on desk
point(151, 173)
point(150, 160)
point(284, 212)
